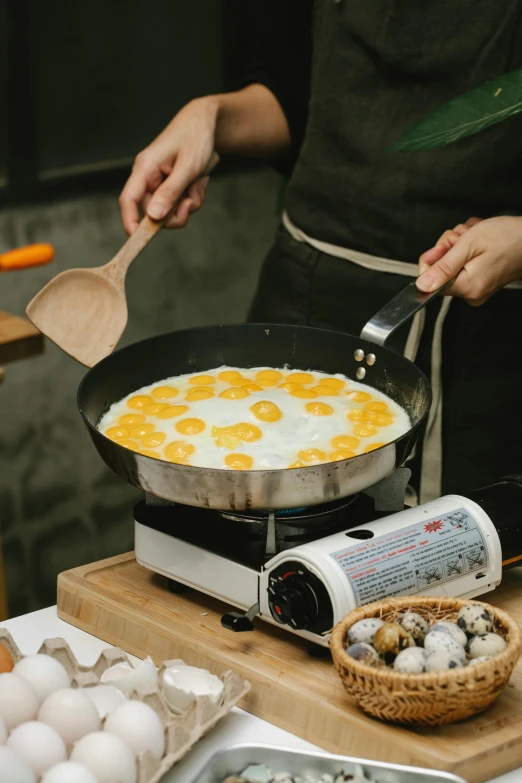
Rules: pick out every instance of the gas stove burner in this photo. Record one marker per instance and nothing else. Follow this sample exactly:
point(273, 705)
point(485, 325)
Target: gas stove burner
point(303, 517)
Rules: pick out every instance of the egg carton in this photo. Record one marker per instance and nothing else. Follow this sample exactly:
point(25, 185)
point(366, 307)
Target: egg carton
point(182, 732)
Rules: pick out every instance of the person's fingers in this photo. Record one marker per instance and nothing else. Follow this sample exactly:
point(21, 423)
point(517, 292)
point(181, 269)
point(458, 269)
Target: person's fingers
point(131, 195)
point(446, 268)
point(472, 221)
point(172, 189)
point(431, 256)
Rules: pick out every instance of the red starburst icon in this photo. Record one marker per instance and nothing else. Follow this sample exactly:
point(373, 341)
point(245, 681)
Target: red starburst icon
point(434, 527)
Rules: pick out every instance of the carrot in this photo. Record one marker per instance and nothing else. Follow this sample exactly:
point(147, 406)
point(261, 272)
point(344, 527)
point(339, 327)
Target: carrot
point(23, 257)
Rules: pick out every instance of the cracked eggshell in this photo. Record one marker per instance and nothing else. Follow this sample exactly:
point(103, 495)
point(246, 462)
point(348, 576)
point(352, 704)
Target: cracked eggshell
point(105, 698)
point(128, 679)
point(182, 684)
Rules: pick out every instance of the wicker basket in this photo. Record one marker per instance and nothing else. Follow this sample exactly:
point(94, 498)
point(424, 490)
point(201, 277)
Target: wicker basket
point(433, 698)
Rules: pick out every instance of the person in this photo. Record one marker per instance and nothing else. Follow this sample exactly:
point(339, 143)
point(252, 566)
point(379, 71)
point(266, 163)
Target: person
point(331, 85)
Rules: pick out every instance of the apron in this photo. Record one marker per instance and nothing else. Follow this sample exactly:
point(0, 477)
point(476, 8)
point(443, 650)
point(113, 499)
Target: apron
point(431, 461)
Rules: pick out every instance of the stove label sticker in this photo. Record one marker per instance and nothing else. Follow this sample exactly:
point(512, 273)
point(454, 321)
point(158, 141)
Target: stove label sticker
point(414, 559)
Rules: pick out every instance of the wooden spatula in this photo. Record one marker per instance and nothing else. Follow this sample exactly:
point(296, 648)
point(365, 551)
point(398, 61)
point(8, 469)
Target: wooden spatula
point(84, 311)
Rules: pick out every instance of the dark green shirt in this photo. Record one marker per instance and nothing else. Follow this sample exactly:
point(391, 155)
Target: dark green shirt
point(352, 76)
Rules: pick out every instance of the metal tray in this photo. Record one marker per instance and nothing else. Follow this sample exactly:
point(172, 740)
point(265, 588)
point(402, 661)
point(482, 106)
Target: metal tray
point(233, 760)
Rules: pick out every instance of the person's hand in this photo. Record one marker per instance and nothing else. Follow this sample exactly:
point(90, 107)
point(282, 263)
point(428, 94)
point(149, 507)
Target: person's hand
point(172, 170)
point(482, 256)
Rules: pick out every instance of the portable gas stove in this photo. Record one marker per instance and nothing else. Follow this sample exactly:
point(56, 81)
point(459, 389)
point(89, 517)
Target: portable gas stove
point(305, 569)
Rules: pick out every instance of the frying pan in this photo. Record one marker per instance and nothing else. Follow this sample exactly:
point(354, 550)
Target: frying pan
point(262, 345)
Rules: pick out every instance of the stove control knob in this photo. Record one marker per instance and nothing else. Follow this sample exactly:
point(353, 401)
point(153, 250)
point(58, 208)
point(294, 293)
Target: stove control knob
point(293, 600)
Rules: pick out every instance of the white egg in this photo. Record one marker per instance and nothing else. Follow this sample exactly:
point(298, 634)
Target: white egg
point(44, 673)
point(18, 700)
point(310, 419)
point(14, 768)
point(107, 756)
point(71, 713)
point(139, 726)
point(105, 698)
point(41, 745)
point(127, 679)
point(69, 772)
point(3, 732)
point(182, 684)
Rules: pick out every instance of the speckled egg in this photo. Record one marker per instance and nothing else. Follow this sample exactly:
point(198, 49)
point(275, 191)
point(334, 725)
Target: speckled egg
point(489, 644)
point(475, 619)
point(481, 659)
point(414, 624)
point(412, 660)
point(364, 652)
point(454, 631)
point(364, 630)
point(390, 639)
point(442, 660)
point(442, 642)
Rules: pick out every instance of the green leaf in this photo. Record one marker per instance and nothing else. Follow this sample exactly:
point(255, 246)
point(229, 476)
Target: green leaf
point(466, 115)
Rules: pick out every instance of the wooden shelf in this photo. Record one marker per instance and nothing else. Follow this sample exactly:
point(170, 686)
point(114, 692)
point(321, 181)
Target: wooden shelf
point(19, 339)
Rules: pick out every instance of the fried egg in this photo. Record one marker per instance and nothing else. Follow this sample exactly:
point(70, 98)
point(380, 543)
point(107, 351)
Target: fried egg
point(256, 419)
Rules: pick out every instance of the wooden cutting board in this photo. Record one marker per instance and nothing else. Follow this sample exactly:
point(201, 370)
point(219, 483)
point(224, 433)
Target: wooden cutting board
point(119, 601)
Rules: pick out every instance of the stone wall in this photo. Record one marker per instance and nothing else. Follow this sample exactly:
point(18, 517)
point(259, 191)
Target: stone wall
point(59, 505)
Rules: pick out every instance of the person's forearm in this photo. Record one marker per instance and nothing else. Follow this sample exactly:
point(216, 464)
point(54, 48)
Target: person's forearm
point(250, 122)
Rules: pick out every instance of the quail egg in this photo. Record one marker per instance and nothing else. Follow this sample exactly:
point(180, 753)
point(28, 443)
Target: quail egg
point(412, 660)
point(440, 641)
point(364, 630)
point(475, 619)
point(480, 659)
point(390, 639)
point(486, 644)
point(442, 660)
point(363, 652)
point(453, 630)
point(415, 624)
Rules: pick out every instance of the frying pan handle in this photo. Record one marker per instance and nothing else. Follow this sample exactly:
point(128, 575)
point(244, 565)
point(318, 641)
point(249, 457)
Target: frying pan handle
point(398, 312)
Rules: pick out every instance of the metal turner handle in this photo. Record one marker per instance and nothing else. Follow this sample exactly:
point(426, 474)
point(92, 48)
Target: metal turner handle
point(397, 312)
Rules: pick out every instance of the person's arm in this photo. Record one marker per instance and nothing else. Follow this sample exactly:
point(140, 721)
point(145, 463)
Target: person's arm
point(482, 259)
point(264, 118)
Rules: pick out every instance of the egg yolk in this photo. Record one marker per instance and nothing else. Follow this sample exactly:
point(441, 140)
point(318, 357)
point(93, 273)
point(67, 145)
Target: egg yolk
point(361, 397)
point(296, 464)
point(377, 407)
point(345, 442)
point(153, 440)
point(179, 450)
point(150, 453)
point(264, 410)
point(266, 383)
point(232, 436)
point(380, 419)
point(202, 380)
point(340, 454)
point(365, 430)
point(239, 461)
point(269, 375)
point(139, 401)
point(333, 383)
point(373, 446)
point(199, 394)
point(357, 415)
point(171, 411)
point(164, 392)
point(252, 387)
point(235, 393)
point(325, 391)
point(229, 376)
point(190, 426)
point(128, 444)
point(319, 409)
point(290, 386)
point(312, 455)
point(300, 377)
point(117, 433)
point(155, 408)
point(303, 394)
point(130, 419)
point(141, 429)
